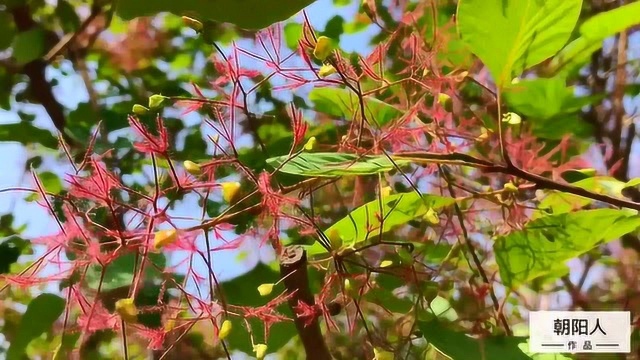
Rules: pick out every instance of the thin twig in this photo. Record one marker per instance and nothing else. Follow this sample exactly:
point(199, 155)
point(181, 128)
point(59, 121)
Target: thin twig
point(474, 255)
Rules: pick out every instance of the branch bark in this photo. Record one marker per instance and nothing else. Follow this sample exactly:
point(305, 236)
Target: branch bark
point(35, 70)
point(293, 269)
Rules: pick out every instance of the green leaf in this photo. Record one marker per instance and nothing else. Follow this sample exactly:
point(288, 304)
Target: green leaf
point(512, 36)
point(26, 134)
point(10, 250)
point(397, 209)
point(343, 103)
point(51, 182)
point(29, 45)
point(333, 164)
point(292, 34)
point(550, 106)
point(242, 291)
point(119, 272)
point(248, 14)
point(632, 183)
point(459, 346)
point(592, 34)
point(441, 308)
point(548, 242)
point(537, 98)
point(41, 313)
point(69, 20)
point(334, 28)
point(7, 30)
point(545, 98)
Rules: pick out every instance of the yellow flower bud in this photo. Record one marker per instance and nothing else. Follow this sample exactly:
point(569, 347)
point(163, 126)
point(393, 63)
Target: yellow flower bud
point(127, 310)
point(230, 191)
point(380, 354)
point(192, 168)
point(347, 285)
point(163, 238)
point(445, 101)
point(225, 330)
point(335, 239)
point(192, 23)
point(484, 135)
point(155, 101)
point(386, 263)
point(324, 47)
point(431, 217)
point(139, 109)
point(511, 118)
point(265, 289)
point(385, 191)
point(510, 187)
point(260, 350)
point(326, 70)
point(311, 143)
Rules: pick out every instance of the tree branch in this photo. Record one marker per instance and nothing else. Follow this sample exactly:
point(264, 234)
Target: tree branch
point(35, 70)
point(293, 269)
point(539, 181)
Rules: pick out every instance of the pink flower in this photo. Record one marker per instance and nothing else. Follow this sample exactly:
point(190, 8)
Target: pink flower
point(97, 186)
point(150, 143)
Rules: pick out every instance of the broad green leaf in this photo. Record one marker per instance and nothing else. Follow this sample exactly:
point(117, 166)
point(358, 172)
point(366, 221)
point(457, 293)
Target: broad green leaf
point(537, 98)
point(363, 222)
point(512, 36)
point(242, 291)
point(550, 241)
point(592, 34)
point(557, 127)
point(29, 45)
point(119, 273)
point(550, 106)
point(343, 103)
point(334, 164)
point(248, 14)
point(25, 133)
point(459, 346)
point(41, 313)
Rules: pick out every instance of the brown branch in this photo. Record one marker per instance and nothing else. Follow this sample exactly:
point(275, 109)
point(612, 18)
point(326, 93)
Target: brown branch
point(68, 39)
point(616, 101)
point(35, 70)
point(293, 269)
point(539, 181)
